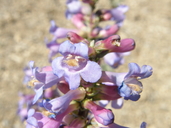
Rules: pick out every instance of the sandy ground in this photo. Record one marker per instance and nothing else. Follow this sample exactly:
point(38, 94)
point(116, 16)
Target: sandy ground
point(25, 23)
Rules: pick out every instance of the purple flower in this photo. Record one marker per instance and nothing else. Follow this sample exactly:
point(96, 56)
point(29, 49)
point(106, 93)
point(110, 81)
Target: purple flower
point(75, 64)
point(47, 120)
point(102, 115)
point(43, 78)
point(128, 83)
point(118, 14)
point(114, 59)
point(131, 86)
point(58, 32)
point(60, 104)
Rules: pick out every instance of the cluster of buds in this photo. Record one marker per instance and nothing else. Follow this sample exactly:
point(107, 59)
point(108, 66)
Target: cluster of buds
point(74, 90)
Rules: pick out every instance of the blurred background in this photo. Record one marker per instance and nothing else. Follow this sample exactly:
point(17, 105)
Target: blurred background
point(24, 24)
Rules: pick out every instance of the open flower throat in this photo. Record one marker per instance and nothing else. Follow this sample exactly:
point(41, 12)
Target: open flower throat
point(74, 62)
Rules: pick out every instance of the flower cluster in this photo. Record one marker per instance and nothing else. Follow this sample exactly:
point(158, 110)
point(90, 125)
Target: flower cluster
point(73, 91)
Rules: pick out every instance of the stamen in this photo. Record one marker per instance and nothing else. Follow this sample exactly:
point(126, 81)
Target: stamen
point(69, 56)
point(79, 58)
point(135, 87)
point(49, 114)
point(116, 43)
point(71, 62)
point(31, 82)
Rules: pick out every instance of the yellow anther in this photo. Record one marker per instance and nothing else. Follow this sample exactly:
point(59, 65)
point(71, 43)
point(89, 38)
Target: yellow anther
point(49, 114)
point(135, 87)
point(117, 43)
point(71, 62)
point(31, 82)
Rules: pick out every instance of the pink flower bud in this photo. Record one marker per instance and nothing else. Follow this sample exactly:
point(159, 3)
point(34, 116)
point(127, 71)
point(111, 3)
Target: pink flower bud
point(75, 38)
point(113, 44)
point(102, 115)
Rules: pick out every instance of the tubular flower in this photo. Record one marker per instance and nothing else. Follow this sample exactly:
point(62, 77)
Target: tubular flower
point(75, 64)
point(47, 120)
point(114, 44)
point(102, 115)
point(128, 84)
point(131, 87)
point(43, 78)
point(60, 104)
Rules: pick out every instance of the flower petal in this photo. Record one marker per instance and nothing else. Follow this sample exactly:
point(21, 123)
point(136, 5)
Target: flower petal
point(38, 95)
point(57, 67)
point(73, 79)
point(103, 103)
point(81, 49)
point(31, 112)
point(117, 104)
point(32, 121)
point(111, 78)
point(66, 48)
point(146, 71)
point(134, 69)
point(92, 72)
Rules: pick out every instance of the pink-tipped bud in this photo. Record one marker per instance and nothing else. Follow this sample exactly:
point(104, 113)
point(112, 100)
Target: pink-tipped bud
point(75, 38)
point(102, 115)
point(113, 44)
